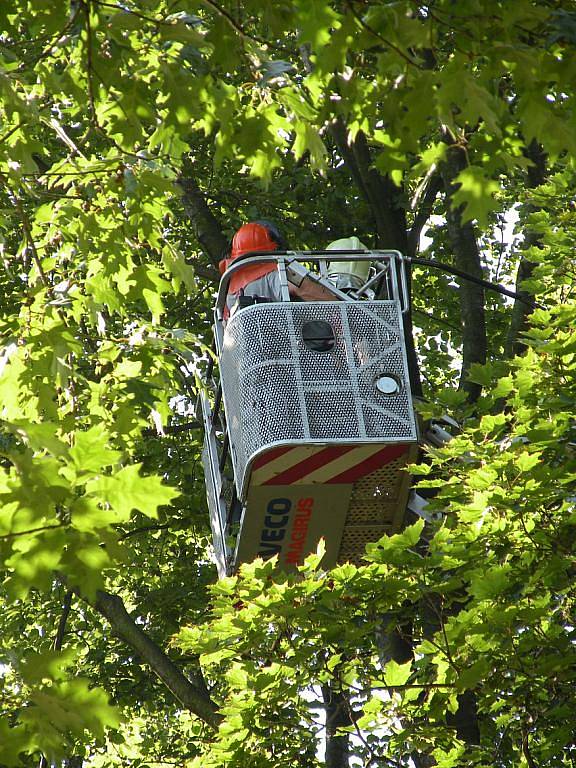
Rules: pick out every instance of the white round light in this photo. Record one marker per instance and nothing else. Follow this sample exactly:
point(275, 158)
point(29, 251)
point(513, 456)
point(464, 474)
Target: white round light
point(388, 385)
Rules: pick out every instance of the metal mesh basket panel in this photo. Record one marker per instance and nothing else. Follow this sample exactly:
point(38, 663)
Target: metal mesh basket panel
point(383, 484)
point(344, 422)
point(370, 512)
point(277, 389)
point(354, 541)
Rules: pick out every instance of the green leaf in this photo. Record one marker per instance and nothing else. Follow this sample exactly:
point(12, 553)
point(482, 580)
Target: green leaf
point(527, 461)
point(42, 437)
point(476, 194)
point(14, 741)
point(237, 677)
point(72, 706)
point(47, 665)
point(482, 478)
point(296, 102)
point(315, 19)
point(127, 490)
point(312, 561)
point(175, 263)
point(491, 583)
point(90, 452)
point(181, 33)
point(308, 140)
point(469, 678)
point(397, 674)
point(409, 537)
point(503, 387)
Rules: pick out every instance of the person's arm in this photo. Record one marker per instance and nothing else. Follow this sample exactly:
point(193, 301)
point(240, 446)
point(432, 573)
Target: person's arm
point(308, 290)
point(305, 288)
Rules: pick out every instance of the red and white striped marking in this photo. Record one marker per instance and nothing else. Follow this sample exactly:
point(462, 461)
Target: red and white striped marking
point(306, 465)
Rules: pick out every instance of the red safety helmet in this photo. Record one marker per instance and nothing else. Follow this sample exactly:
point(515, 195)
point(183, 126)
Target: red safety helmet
point(253, 237)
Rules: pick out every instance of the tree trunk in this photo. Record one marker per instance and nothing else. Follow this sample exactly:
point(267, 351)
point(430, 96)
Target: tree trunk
point(389, 215)
point(520, 311)
point(467, 258)
point(465, 719)
point(379, 191)
point(337, 716)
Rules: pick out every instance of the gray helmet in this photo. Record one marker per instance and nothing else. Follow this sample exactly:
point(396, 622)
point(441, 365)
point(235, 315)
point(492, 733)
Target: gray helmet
point(348, 275)
point(347, 244)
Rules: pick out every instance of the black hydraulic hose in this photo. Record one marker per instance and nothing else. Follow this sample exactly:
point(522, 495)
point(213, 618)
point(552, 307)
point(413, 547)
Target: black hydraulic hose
point(217, 401)
point(425, 263)
point(209, 368)
point(224, 455)
point(471, 278)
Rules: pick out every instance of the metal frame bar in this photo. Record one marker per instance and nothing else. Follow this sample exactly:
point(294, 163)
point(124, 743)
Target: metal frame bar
point(400, 290)
point(213, 477)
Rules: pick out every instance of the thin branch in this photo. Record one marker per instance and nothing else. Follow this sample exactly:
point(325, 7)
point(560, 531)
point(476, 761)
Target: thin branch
point(10, 132)
point(359, 735)
point(31, 245)
point(144, 529)
point(380, 37)
point(173, 430)
point(436, 320)
point(404, 687)
point(89, 67)
point(41, 174)
point(451, 26)
point(52, 37)
point(474, 279)
point(440, 617)
point(132, 12)
point(61, 631)
point(526, 749)
point(240, 29)
point(229, 18)
point(57, 645)
point(8, 536)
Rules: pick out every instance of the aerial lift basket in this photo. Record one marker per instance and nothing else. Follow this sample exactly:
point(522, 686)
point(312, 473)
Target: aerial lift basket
point(317, 424)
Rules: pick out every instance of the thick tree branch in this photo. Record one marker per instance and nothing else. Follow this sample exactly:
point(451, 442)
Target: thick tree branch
point(339, 133)
point(526, 749)
point(172, 430)
point(385, 197)
point(89, 64)
point(521, 309)
point(424, 205)
point(206, 226)
point(465, 719)
point(193, 696)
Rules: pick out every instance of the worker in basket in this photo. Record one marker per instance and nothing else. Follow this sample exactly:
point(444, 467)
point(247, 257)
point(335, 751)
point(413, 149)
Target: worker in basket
point(261, 282)
point(348, 276)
